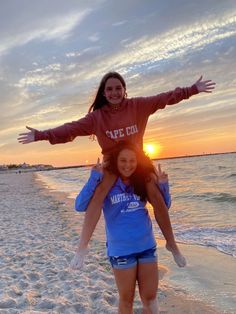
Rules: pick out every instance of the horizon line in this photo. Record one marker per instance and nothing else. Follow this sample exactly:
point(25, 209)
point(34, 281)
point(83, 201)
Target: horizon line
point(154, 159)
point(162, 158)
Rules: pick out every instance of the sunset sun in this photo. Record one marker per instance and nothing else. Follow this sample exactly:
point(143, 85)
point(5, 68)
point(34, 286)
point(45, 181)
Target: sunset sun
point(152, 150)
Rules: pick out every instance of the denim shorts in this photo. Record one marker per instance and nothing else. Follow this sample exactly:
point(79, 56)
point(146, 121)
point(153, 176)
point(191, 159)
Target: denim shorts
point(131, 260)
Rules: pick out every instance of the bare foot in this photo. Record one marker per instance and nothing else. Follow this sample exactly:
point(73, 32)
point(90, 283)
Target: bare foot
point(178, 257)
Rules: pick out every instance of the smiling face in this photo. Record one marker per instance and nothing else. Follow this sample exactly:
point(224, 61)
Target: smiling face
point(114, 91)
point(126, 163)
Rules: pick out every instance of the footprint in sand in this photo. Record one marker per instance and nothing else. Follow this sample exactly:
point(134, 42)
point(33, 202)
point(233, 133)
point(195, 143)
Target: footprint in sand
point(33, 276)
point(23, 284)
point(111, 300)
point(46, 305)
point(6, 304)
point(15, 292)
point(94, 296)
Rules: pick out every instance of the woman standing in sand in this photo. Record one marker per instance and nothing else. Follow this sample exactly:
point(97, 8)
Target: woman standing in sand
point(131, 246)
point(113, 117)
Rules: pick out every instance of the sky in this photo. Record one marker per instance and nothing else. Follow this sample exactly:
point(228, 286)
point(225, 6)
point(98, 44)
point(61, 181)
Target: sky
point(53, 54)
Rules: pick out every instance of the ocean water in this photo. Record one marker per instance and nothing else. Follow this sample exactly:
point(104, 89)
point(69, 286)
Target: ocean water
point(203, 190)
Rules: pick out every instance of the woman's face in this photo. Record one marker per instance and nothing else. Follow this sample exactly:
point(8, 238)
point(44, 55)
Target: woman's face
point(114, 91)
point(126, 163)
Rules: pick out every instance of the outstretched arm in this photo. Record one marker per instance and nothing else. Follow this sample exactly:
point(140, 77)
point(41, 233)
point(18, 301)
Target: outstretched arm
point(62, 134)
point(149, 105)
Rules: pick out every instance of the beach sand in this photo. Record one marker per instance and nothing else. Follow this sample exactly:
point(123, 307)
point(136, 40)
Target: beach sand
point(38, 235)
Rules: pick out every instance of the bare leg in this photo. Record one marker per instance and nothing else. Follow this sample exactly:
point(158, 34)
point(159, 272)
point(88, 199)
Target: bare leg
point(92, 215)
point(93, 211)
point(126, 281)
point(162, 217)
point(148, 285)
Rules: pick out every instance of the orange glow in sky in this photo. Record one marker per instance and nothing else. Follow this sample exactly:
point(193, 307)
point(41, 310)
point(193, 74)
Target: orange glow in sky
point(152, 150)
point(51, 75)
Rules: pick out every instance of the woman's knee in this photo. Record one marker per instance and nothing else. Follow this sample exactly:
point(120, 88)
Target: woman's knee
point(106, 184)
point(126, 296)
point(150, 305)
point(149, 298)
point(126, 302)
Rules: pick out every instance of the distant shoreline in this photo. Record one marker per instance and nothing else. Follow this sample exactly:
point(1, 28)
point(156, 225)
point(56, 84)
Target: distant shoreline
point(163, 158)
point(19, 170)
point(197, 155)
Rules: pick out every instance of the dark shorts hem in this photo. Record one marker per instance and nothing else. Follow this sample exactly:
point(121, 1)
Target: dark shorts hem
point(131, 260)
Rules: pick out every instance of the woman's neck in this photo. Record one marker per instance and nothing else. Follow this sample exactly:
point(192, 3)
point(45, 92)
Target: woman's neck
point(126, 181)
point(115, 106)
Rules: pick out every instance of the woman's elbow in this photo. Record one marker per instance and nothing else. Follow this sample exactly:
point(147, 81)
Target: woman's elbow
point(168, 204)
point(80, 206)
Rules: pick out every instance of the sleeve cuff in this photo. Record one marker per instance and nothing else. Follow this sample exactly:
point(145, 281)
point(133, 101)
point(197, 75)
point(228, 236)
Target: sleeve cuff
point(194, 89)
point(164, 186)
point(96, 176)
point(38, 136)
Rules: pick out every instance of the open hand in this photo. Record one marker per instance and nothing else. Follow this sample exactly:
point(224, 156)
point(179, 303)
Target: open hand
point(26, 138)
point(98, 166)
point(205, 86)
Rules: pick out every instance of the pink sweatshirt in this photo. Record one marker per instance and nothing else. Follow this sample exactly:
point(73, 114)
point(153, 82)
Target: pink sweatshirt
point(112, 125)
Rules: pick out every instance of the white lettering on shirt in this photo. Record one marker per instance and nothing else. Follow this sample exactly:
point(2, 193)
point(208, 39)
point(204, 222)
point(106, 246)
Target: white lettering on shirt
point(132, 202)
point(108, 133)
point(124, 197)
point(129, 130)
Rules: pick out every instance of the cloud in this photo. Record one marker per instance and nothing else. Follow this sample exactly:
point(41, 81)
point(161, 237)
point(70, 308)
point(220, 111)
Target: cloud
point(57, 27)
point(95, 37)
point(47, 76)
point(134, 58)
point(53, 55)
point(153, 51)
point(157, 51)
point(119, 23)
point(2, 145)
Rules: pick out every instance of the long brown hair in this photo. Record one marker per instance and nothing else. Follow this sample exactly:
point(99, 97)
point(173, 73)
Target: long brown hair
point(141, 175)
point(100, 100)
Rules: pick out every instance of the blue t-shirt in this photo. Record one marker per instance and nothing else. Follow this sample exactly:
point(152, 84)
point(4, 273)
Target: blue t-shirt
point(128, 225)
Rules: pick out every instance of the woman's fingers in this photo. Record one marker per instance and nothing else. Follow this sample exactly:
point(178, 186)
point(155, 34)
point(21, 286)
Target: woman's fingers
point(29, 128)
